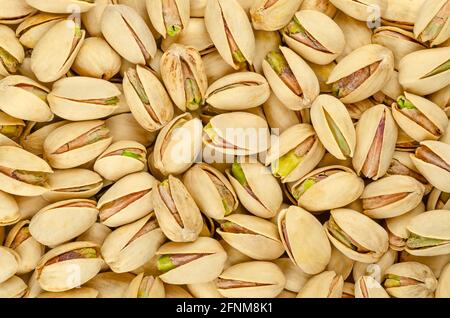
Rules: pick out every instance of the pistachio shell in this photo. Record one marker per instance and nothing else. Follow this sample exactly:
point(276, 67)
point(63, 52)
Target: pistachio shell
point(174, 291)
point(34, 27)
point(14, 287)
point(61, 6)
point(323, 6)
point(204, 290)
point(97, 233)
point(125, 127)
point(9, 261)
point(435, 202)
point(363, 10)
point(92, 18)
point(295, 277)
point(157, 11)
point(274, 16)
point(156, 290)
point(279, 117)
point(327, 284)
point(428, 12)
point(340, 264)
point(82, 292)
point(401, 14)
point(9, 210)
point(215, 66)
point(33, 141)
point(110, 284)
point(15, 11)
point(368, 287)
point(12, 46)
point(375, 270)
point(442, 290)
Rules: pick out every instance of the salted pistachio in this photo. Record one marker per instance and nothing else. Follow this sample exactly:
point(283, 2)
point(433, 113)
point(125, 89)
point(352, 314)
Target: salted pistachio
point(189, 263)
point(11, 51)
point(376, 136)
point(251, 235)
point(237, 133)
point(426, 71)
point(231, 32)
point(438, 200)
point(176, 211)
point(419, 118)
point(442, 99)
point(143, 286)
point(9, 261)
point(130, 246)
point(11, 127)
point(238, 91)
point(327, 284)
point(429, 234)
point(76, 143)
point(324, 6)
point(356, 235)
point(147, 97)
point(125, 127)
point(251, 279)
point(391, 196)
point(375, 270)
point(297, 151)
point(120, 159)
point(79, 98)
point(184, 76)
point(68, 37)
point(257, 189)
point(272, 15)
point(211, 190)
point(110, 284)
point(177, 145)
point(291, 79)
point(432, 25)
point(362, 10)
point(362, 73)
point(304, 239)
point(368, 287)
point(31, 30)
point(127, 200)
point(334, 127)
point(61, 6)
point(29, 250)
point(281, 118)
point(34, 135)
point(405, 143)
point(82, 292)
point(128, 34)
point(23, 98)
point(169, 17)
point(340, 264)
point(326, 188)
point(443, 287)
point(14, 287)
point(410, 280)
point(15, 11)
point(22, 173)
point(56, 268)
point(73, 183)
point(319, 45)
point(432, 159)
point(401, 14)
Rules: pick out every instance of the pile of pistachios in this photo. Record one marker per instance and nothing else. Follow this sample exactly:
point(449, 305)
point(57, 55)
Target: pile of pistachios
point(224, 148)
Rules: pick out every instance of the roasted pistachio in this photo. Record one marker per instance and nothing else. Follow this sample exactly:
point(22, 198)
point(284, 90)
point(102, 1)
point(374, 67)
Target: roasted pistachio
point(432, 25)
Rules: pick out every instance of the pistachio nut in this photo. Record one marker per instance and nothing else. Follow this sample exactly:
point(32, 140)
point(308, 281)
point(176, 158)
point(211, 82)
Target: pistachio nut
point(56, 268)
point(327, 284)
point(295, 277)
point(238, 91)
point(362, 10)
point(326, 188)
point(147, 97)
point(143, 286)
point(442, 99)
point(175, 291)
point(333, 124)
point(272, 15)
point(438, 200)
point(31, 30)
point(296, 153)
point(303, 236)
point(27, 247)
point(410, 280)
point(177, 145)
point(237, 133)
point(15, 11)
point(211, 191)
point(279, 117)
point(432, 25)
point(120, 159)
point(29, 206)
point(132, 245)
point(72, 184)
point(376, 137)
point(419, 118)
point(405, 143)
point(110, 284)
point(234, 256)
point(251, 279)
point(190, 263)
point(435, 263)
point(9, 210)
point(397, 227)
point(231, 32)
point(368, 287)
point(362, 73)
point(125, 127)
point(197, 8)
point(76, 143)
point(429, 233)
point(169, 17)
point(204, 290)
point(127, 200)
point(348, 290)
point(61, 6)
point(215, 66)
point(184, 76)
point(82, 292)
point(23, 98)
point(83, 98)
point(432, 159)
point(357, 236)
point(375, 270)
point(323, 6)
point(9, 261)
point(426, 71)
point(291, 79)
point(68, 37)
point(22, 173)
point(14, 287)
point(251, 235)
point(128, 34)
point(319, 45)
point(11, 51)
point(92, 18)
point(443, 287)
point(391, 196)
point(256, 188)
point(97, 233)
point(265, 42)
point(340, 264)
point(34, 135)
point(401, 14)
